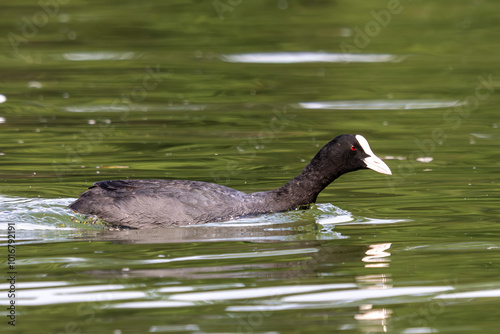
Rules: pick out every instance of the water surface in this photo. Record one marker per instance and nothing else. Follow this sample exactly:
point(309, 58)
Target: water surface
point(243, 94)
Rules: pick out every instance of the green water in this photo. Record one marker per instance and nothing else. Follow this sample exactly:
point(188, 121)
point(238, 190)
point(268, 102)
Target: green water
point(243, 93)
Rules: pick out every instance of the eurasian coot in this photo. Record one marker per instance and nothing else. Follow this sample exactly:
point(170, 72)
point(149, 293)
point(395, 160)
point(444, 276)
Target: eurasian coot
point(161, 203)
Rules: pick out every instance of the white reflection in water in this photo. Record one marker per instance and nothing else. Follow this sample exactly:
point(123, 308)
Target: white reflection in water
point(309, 57)
point(336, 216)
point(419, 330)
point(377, 255)
point(127, 105)
point(378, 104)
point(174, 328)
point(472, 294)
point(373, 314)
point(32, 285)
point(256, 292)
point(152, 304)
point(74, 294)
point(353, 295)
point(349, 220)
point(96, 56)
point(425, 159)
point(271, 253)
point(340, 298)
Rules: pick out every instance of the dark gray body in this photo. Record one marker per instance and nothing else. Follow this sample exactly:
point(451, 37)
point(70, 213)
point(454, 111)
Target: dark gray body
point(161, 203)
point(167, 202)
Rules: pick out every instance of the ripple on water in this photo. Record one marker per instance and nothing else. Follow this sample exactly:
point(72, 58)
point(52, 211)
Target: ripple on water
point(40, 219)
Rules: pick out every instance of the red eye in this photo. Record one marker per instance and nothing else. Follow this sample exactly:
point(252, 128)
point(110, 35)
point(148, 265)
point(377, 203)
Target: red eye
point(353, 148)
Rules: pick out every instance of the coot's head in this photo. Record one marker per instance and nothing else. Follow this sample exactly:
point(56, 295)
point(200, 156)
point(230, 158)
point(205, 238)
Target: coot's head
point(348, 153)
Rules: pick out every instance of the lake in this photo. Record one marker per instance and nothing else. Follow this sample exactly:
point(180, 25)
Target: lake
point(244, 94)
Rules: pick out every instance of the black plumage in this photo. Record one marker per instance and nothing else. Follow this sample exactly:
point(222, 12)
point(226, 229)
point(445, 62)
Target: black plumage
point(160, 203)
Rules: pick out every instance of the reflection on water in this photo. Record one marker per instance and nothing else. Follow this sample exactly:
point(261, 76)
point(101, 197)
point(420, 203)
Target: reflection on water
point(493, 293)
point(376, 256)
point(379, 104)
point(96, 56)
point(53, 294)
point(309, 57)
point(124, 108)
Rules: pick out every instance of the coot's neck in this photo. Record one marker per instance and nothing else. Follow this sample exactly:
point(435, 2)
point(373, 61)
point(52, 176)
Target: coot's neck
point(310, 182)
point(305, 187)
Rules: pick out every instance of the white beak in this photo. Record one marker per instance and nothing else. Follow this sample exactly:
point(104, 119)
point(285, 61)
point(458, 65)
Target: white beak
point(376, 164)
point(372, 161)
